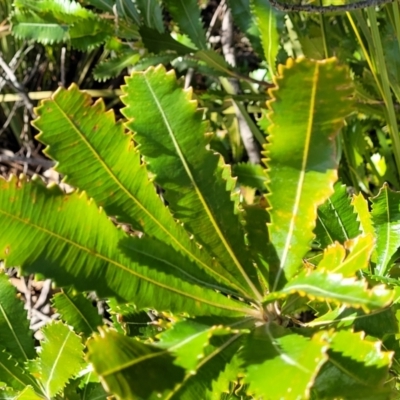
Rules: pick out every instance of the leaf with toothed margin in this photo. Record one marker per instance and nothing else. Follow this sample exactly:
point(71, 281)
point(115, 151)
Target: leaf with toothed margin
point(386, 220)
point(336, 220)
point(273, 354)
point(93, 152)
point(14, 323)
point(60, 358)
point(301, 155)
point(348, 259)
point(41, 231)
point(326, 286)
point(198, 185)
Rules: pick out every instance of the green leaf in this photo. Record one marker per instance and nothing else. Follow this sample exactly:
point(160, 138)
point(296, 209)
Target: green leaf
point(186, 13)
point(386, 219)
point(335, 288)
point(243, 19)
point(60, 358)
point(11, 374)
point(196, 181)
point(14, 324)
point(348, 259)
point(151, 14)
point(252, 175)
point(40, 230)
point(337, 220)
point(266, 17)
point(156, 42)
point(301, 153)
point(77, 132)
point(114, 66)
point(359, 365)
point(354, 346)
point(131, 369)
point(275, 355)
point(360, 206)
point(77, 311)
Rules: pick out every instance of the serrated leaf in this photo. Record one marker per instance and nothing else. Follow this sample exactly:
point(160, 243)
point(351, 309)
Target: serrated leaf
point(126, 366)
point(334, 287)
point(12, 374)
point(243, 19)
point(348, 259)
point(353, 345)
point(301, 153)
point(386, 219)
point(273, 354)
point(360, 206)
point(60, 358)
point(197, 184)
point(14, 324)
point(91, 261)
point(77, 311)
point(71, 125)
point(336, 220)
point(114, 66)
point(186, 13)
point(187, 341)
point(266, 17)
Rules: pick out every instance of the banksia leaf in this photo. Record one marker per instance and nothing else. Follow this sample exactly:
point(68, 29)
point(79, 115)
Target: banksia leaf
point(348, 259)
point(273, 354)
point(60, 358)
point(77, 311)
point(301, 155)
point(53, 236)
point(186, 13)
point(335, 288)
point(81, 134)
point(386, 219)
point(336, 220)
point(14, 324)
point(197, 184)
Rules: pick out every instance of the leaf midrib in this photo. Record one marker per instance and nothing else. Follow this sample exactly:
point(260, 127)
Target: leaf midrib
point(302, 173)
point(199, 193)
point(143, 208)
point(94, 253)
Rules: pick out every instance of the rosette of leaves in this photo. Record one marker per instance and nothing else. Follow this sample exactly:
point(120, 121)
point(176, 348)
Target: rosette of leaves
point(231, 282)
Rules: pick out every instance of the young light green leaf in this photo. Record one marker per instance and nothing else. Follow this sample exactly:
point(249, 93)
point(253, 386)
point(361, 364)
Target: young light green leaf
point(335, 288)
point(386, 219)
point(77, 311)
point(40, 230)
point(186, 13)
point(348, 259)
point(273, 354)
point(14, 324)
point(125, 367)
point(196, 181)
point(301, 153)
point(336, 220)
point(79, 133)
point(266, 18)
point(360, 206)
point(60, 358)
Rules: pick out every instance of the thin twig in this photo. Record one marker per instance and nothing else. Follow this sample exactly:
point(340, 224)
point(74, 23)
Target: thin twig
point(25, 160)
point(309, 8)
